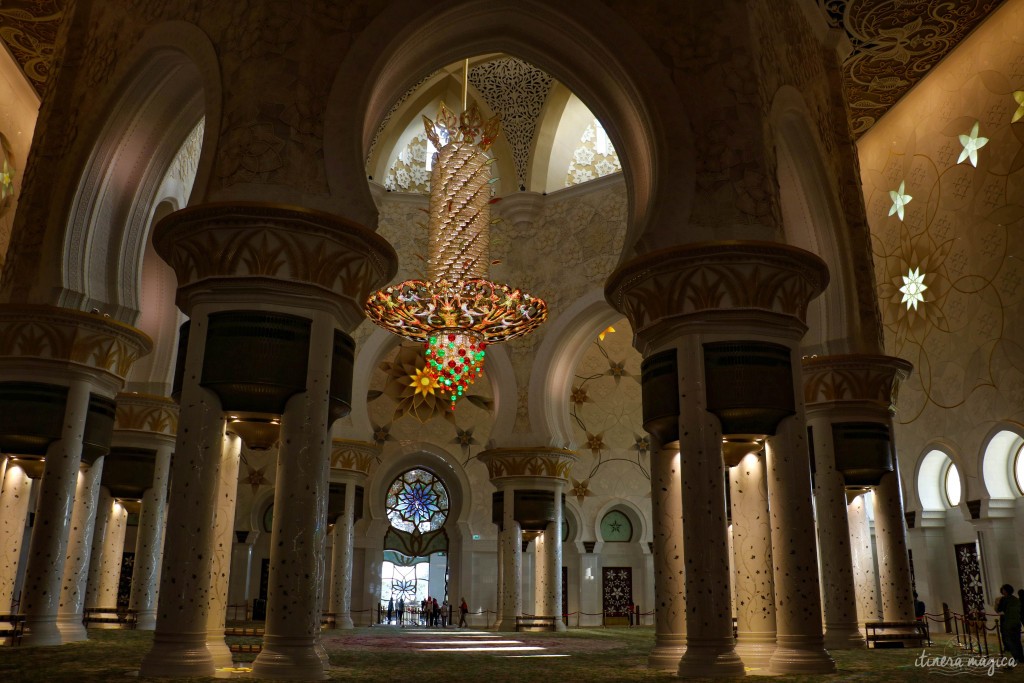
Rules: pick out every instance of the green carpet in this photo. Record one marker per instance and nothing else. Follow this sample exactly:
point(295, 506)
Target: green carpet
point(392, 654)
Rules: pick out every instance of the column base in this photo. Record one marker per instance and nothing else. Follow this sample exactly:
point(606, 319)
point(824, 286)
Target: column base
point(668, 650)
point(71, 628)
point(177, 655)
point(289, 658)
point(560, 626)
point(844, 637)
point(756, 651)
point(508, 625)
point(345, 623)
point(801, 655)
point(715, 659)
point(146, 621)
point(41, 632)
point(219, 650)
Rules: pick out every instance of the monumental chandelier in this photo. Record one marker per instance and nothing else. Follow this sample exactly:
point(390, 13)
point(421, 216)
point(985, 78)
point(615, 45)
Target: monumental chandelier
point(457, 311)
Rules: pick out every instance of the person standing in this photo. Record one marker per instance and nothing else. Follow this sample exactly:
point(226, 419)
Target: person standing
point(401, 611)
point(1008, 608)
point(391, 608)
point(445, 610)
point(435, 612)
point(463, 610)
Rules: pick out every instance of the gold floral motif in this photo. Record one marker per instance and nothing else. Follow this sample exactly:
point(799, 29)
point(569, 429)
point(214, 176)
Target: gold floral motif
point(551, 463)
point(146, 413)
point(357, 456)
point(61, 334)
point(860, 378)
point(711, 276)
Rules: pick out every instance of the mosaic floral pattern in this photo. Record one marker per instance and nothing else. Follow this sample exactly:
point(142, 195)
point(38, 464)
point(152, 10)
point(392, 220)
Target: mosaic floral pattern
point(409, 172)
point(417, 501)
point(595, 157)
point(617, 590)
point(968, 569)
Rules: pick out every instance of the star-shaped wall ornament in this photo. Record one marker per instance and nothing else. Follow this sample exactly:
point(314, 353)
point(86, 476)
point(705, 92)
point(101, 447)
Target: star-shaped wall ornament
point(913, 288)
point(900, 199)
point(580, 489)
point(595, 442)
point(972, 143)
point(1018, 97)
point(255, 477)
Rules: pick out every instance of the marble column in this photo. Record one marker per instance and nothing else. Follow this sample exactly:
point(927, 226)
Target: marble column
point(891, 541)
point(179, 642)
point(862, 558)
point(48, 545)
point(838, 591)
point(291, 644)
point(669, 566)
point(341, 565)
point(240, 592)
point(14, 497)
point(511, 539)
point(710, 646)
point(79, 553)
point(799, 640)
point(752, 562)
point(499, 609)
point(223, 536)
point(111, 556)
point(548, 567)
point(149, 542)
point(104, 501)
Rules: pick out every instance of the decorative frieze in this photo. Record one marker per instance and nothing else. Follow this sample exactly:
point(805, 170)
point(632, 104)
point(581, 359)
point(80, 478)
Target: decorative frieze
point(868, 381)
point(146, 413)
point(543, 462)
point(355, 456)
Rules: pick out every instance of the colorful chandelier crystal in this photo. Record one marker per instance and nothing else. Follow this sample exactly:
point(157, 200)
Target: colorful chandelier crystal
point(457, 311)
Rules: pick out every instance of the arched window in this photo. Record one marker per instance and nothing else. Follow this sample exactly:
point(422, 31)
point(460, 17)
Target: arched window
point(616, 527)
point(1018, 468)
point(268, 518)
point(952, 485)
point(417, 501)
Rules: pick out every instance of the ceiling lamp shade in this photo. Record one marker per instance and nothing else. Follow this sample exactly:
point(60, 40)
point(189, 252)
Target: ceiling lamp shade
point(457, 311)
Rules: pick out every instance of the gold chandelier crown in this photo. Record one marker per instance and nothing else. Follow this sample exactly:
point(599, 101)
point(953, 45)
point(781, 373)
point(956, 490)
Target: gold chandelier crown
point(457, 311)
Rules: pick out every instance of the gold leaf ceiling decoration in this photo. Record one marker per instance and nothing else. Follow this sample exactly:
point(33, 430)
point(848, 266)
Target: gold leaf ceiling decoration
point(895, 43)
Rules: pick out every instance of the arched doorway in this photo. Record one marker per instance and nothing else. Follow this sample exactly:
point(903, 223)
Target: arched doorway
point(415, 566)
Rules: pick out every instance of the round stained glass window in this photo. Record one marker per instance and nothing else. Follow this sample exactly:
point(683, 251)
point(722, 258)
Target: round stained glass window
point(417, 500)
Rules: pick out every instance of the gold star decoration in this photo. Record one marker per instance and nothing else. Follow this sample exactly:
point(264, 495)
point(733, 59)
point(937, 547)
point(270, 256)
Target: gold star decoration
point(595, 442)
point(422, 383)
point(579, 396)
point(607, 330)
point(580, 489)
point(1018, 97)
point(255, 477)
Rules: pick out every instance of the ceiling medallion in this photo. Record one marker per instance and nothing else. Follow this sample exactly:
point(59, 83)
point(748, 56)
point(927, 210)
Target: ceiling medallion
point(457, 311)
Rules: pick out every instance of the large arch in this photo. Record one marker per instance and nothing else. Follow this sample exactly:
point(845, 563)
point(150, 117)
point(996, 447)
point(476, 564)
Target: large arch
point(167, 86)
point(630, 93)
point(813, 221)
point(997, 473)
point(929, 474)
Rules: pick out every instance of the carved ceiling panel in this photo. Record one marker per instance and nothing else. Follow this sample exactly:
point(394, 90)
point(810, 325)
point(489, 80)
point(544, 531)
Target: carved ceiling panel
point(28, 29)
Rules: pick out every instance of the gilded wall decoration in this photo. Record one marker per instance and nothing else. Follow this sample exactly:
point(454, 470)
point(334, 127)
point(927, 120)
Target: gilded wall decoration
point(606, 409)
point(869, 379)
point(895, 44)
point(547, 463)
point(950, 278)
point(516, 90)
point(357, 456)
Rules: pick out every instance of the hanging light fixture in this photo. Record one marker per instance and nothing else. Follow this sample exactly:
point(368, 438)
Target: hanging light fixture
point(457, 311)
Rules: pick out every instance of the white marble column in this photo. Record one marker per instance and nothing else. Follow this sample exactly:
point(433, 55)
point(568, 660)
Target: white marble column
point(752, 562)
point(669, 567)
point(79, 553)
point(341, 565)
point(499, 610)
point(240, 591)
point(179, 642)
point(111, 557)
point(548, 567)
point(863, 559)
point(149, 542)
point(839, 595)
point(14, 497)
point(710, 646)
point(799, 639)
point(291, 644)
point(893, 561)
point(511, 554)
point(48, 545)
point(223, 536)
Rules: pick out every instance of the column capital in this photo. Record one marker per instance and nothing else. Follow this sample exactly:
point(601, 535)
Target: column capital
point(353, 457)
point(716, 282)
point(529, 464)
point(854, 381)
point(37, 337)
point(146, 414)
point(289, 250)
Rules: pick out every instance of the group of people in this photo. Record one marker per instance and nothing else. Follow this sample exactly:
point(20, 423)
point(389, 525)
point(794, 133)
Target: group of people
point(430, 613)
point(1008, 607)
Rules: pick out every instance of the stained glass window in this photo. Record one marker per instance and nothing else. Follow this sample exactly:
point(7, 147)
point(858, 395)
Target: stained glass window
point(616, 527)
point(417, 500)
